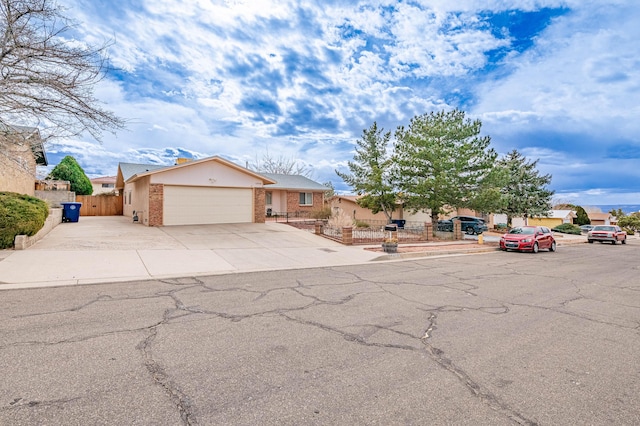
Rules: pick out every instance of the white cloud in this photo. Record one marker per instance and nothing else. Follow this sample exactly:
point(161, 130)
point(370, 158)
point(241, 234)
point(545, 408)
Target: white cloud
point(575, 80)
point(189, 69)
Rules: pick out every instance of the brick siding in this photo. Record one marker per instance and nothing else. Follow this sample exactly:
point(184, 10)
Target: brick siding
point(259, 205)
point(156, 204)
point(293, 202)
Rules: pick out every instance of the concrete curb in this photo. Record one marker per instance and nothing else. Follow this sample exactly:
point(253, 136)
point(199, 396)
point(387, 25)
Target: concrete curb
point(432, 253)
point(459, 251)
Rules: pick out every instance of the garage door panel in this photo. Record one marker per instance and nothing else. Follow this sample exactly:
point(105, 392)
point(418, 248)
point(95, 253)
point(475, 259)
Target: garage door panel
point(187, 205)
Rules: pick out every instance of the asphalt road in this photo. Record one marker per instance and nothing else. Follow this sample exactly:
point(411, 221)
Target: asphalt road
point(491, 339)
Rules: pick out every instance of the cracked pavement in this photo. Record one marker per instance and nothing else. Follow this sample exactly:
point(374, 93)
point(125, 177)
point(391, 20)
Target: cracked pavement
point(498, 338)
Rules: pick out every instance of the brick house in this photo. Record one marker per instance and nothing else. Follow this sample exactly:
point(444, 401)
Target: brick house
point(206, 191)
point(292, 195)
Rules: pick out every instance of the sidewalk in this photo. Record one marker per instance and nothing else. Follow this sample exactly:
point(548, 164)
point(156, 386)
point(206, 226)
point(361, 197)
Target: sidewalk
point(112, 249)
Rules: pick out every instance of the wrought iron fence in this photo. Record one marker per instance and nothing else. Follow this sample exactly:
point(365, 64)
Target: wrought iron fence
point(372, 232)
point(332, 233)
point(287, 217)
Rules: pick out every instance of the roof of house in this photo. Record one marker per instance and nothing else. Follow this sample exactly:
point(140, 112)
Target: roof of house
point(37, 146)
point(561, 214)
point(599, 216)
point(132, 172)
point(131, 169)
point(104, 179)
point(293, 182)
point(352, 198)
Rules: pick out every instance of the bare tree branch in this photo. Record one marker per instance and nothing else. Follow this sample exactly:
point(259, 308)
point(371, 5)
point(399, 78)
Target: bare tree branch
point(281, 165)
point(47, 80)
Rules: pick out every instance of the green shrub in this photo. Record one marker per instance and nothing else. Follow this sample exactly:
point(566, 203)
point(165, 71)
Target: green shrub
point(20, 214)
point(360, 224)
point(568, 228)
point(582, 217)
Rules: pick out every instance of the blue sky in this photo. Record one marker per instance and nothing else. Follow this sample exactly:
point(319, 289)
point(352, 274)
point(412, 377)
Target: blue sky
point(557, 80)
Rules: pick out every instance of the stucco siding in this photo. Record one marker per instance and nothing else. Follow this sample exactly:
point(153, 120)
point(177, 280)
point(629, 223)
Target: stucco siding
point(210, 173)
point(17, 168)
point(544, 221)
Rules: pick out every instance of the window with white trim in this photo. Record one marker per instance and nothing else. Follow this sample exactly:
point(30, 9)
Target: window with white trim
point(306, 199)
point(268, 197)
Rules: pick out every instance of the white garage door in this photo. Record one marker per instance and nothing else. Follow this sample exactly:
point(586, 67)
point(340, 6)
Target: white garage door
point(189, 205)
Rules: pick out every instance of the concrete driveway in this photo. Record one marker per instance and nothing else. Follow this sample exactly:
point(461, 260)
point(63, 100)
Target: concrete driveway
point(107, 249)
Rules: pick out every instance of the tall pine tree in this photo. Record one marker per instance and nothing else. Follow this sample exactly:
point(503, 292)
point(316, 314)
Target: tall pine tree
point(442, 162)
point(370, 174)
point(524, 190)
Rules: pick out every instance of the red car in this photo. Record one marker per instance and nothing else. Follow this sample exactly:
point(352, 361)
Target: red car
point(528, 238)
point(609, 233)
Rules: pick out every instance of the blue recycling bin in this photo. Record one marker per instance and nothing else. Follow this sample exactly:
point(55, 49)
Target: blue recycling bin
point(70, 212)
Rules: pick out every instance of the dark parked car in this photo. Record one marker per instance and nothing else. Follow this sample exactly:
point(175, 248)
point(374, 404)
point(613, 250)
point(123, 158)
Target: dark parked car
point(586, 228)
point(528, 238)
point(469, 224)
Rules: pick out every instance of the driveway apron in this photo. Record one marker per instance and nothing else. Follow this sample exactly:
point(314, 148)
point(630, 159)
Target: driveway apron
point(112, 248)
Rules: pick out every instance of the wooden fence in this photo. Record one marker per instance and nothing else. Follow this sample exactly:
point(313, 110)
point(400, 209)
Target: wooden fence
point(100, 205)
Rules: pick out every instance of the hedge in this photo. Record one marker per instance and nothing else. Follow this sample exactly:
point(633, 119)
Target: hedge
point(20, 214)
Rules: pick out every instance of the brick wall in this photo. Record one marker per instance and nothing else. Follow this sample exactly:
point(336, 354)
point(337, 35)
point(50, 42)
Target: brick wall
point(156, 204)
point(293, 202)
point(258, 205)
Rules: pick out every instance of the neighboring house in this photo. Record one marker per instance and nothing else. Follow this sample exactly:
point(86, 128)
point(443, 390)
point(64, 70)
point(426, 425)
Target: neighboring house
point(292, 194)
point(349, 205)
point(103, 184)
point(206, 191)
point(21, 150)
point(601, 219)
point(556, 217)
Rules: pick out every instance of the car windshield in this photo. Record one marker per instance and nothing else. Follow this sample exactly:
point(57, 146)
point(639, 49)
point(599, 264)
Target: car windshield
point(604, 228)
point(519, 230)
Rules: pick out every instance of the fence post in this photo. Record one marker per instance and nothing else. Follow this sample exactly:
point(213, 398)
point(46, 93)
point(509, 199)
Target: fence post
point(347, 236)
point(428, 231)
point(457, 230)
point(319, 227)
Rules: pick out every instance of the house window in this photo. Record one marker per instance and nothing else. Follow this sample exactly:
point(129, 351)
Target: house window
point(268, 198)
point(129, 198)
point(108, 185)
point(306, 199)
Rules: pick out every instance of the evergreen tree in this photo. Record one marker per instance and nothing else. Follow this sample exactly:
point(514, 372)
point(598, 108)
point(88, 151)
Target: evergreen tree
point(442, 162)
point(630, 223)
point(524, 191)
point(370, 174)
point(69, 169)
point(618, 213)
point(582, 218)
